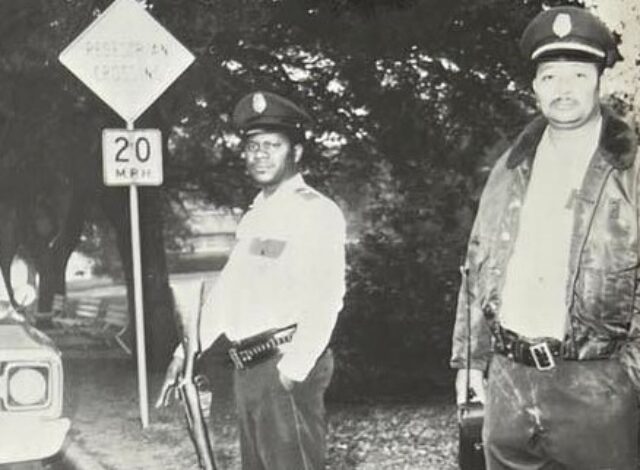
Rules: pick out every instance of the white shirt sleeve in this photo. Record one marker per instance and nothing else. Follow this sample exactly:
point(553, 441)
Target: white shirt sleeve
point(187, 297)
point(319, 281)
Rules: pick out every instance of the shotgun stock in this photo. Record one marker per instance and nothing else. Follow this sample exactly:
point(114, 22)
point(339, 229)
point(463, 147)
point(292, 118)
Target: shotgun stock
point(188, 389)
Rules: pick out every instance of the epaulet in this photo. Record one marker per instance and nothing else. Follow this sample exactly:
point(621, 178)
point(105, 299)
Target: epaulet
point(307, 194)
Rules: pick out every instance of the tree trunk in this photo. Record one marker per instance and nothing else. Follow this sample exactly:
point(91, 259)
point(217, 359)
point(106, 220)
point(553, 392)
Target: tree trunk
point(160, 328)
point(160, 325)
point(9, 236)
point(51, 268)
point(51, 254)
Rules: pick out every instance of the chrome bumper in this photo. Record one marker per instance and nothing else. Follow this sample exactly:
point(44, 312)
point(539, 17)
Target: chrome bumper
point(30, 438)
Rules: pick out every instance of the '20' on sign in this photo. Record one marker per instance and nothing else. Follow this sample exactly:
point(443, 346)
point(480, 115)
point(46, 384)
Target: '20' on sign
point(132, 157)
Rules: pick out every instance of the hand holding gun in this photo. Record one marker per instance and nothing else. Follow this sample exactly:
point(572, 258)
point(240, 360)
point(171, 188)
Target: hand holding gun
point(180, 379)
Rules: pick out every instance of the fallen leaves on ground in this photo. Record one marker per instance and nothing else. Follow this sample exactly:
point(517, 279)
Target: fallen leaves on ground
point(102, 403)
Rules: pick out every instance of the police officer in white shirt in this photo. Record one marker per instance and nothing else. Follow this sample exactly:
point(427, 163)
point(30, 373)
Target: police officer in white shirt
point(278, 296)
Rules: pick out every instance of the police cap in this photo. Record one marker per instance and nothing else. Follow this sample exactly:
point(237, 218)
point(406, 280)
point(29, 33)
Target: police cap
point(262, 110)
point(569, 33)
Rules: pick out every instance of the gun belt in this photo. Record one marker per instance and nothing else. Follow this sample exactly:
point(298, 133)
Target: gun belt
point(247, 353)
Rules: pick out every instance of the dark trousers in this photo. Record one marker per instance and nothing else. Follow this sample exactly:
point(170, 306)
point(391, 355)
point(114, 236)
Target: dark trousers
point(282, 430)
point(581, 415)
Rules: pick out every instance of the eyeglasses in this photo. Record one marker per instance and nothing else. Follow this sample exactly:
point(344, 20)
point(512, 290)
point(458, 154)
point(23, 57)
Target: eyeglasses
point(266, 146)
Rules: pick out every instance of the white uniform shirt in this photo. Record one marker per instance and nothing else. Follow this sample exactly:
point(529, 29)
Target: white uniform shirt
point(534, 293)
point(288, 266)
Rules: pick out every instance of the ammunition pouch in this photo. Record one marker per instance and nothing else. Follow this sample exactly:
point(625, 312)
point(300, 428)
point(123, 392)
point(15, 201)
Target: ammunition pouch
point(261, 347)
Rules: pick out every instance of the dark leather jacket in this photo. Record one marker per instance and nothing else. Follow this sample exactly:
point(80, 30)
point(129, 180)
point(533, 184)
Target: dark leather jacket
point(602, 291)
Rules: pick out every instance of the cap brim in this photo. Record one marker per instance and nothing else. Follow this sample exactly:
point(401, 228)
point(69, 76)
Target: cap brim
point(289, 131)
point(568, 48)
point(259, 130)
point(271, 122)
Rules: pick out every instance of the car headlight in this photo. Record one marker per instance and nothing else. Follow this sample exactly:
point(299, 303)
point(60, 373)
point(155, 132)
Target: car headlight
point(28, 386)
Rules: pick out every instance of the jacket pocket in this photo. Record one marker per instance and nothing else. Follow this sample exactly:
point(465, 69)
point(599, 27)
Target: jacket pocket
point(606, 296)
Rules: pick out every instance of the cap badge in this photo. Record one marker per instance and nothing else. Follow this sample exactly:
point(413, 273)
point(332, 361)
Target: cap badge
point(562, 25)
point(259, 103)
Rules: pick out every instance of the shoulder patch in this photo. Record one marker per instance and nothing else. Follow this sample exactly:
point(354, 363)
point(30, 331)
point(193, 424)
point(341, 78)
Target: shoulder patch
point(307, 194)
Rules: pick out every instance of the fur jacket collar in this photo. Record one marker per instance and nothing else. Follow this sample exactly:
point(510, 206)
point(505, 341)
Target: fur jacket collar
point(618, 142)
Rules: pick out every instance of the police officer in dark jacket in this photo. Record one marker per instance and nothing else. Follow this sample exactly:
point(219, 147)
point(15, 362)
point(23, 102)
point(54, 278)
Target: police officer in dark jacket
point(552, 285)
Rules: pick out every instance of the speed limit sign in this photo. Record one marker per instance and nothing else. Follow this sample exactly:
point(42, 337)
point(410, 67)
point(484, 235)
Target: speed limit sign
point(132, 157)
point(128, 59)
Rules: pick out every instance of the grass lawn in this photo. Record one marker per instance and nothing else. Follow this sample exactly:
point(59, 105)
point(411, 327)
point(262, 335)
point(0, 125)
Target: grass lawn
point(102, 402)
point(101, 399)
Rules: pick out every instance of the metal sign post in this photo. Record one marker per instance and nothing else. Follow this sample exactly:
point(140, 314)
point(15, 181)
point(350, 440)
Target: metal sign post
point(128, 59)
point(134, 217)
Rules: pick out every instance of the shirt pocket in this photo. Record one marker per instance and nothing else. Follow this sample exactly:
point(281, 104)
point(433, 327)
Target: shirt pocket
point(267, 247)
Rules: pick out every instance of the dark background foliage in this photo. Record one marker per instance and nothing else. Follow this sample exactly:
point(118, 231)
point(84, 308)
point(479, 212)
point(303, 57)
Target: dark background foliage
point(413, 100)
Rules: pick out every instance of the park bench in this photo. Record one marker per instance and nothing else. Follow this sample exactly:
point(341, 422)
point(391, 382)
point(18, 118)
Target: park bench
point(58, 310)
point(100, 320)
point(89, 309)
point(59, 305)
point(85, 315)
point(115, 323)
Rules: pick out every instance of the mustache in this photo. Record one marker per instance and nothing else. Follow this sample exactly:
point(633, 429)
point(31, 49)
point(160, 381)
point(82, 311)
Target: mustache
point(563, 100)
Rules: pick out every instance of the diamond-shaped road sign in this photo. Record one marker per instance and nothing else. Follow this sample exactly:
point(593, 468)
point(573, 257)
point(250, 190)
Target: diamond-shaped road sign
point(126, 58)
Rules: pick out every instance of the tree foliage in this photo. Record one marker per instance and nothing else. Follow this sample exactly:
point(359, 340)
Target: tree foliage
point(412, 100)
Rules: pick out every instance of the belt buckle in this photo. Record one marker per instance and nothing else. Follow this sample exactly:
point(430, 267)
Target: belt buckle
point(542, 356)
